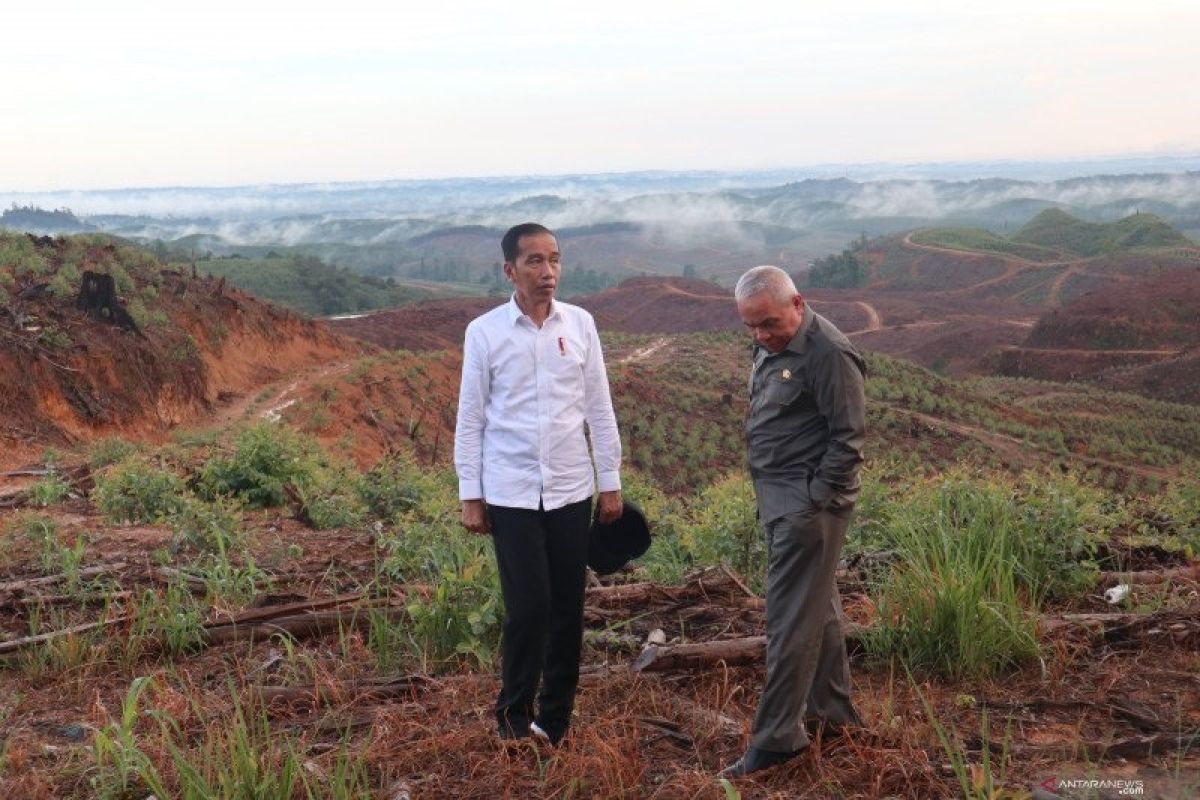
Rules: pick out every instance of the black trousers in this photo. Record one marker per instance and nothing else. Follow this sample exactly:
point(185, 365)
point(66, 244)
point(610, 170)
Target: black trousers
point(542, 556)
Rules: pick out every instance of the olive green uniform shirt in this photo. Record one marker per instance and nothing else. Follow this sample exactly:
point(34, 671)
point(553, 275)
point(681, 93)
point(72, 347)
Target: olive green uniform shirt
point(807, 421)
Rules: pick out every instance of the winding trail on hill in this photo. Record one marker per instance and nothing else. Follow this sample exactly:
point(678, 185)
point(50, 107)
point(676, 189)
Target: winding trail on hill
point(644, 353)
point(1014, 265)
point(1018, 449)
point(874, 320)
point(281, 398)
point(1056, 288)
point(933, 248)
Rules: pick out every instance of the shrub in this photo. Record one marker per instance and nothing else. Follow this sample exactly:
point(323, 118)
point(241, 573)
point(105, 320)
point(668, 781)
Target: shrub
point(110, 450)
point(265, 459)
point(388, 488)
point(723, 528)
point(18, 252)
point(462, 619)
point(213, 527)
point(50, 489)
point(137, 490)
point(53, 337)
point(331, 500)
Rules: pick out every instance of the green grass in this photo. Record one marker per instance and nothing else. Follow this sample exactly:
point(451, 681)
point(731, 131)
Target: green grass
point(979, 240)
point(976, 559)
point(1054, 228)
point(236, 756)
point(311, 286)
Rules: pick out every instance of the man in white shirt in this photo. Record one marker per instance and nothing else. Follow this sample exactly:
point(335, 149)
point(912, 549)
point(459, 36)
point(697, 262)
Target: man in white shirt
point(533, 375)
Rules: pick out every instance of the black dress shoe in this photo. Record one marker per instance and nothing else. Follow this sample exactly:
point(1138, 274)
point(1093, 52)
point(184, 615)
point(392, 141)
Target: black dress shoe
point(755, 760)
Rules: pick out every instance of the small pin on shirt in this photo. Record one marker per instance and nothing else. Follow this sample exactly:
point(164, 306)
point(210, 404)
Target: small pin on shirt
point(562, 346)
point(786, 374)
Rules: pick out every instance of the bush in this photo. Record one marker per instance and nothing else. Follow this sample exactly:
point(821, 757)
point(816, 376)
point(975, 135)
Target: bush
point(388, 488)
point(266, 458)
point(137, 490)
point(331, 500)
point(49, 490)
point(104, 452)
point(462, 619)
point(723, 528)
point(208, 527)
point(20, 255)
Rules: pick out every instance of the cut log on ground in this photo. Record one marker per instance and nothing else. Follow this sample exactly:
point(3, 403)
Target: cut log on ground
point(730, 652)
point(299, 626)
point(1182, 627)
point(1152, 576)
point(17, 645)
point(88, 573)
point(373, 689)
point(273, 612)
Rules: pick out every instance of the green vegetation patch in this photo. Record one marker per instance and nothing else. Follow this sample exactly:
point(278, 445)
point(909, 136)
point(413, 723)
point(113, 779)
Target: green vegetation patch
point(309, 285)
point(979, 240)
point(975, 560)
point(1054, 228)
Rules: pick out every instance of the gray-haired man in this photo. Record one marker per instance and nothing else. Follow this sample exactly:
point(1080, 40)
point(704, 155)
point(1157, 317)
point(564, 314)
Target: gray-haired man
point(805, 435)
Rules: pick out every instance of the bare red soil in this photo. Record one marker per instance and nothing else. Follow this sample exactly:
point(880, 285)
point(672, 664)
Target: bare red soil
point(216, 345)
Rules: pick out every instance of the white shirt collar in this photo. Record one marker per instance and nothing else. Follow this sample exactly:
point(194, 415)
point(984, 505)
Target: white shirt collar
point(515, 313)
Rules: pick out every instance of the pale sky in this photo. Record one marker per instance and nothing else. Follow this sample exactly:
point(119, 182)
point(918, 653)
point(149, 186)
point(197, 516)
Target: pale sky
point(125, 93)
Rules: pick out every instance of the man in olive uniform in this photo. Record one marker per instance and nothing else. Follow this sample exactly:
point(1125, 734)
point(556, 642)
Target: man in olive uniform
point(805, 435)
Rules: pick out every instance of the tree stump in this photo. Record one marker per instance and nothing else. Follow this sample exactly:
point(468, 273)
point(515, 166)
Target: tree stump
point(98, 297)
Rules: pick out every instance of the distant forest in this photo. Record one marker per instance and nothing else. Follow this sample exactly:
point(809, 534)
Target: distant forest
point(842, 270)
point(33, 218)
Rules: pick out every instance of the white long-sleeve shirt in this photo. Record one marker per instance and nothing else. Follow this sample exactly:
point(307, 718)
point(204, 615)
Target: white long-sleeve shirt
point(525, 396)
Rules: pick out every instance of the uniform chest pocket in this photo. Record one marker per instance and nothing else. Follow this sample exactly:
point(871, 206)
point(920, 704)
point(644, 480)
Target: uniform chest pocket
point(781, 391)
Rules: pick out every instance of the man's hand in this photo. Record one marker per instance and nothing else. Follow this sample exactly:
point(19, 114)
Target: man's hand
point(611, 507)
point(474, 516)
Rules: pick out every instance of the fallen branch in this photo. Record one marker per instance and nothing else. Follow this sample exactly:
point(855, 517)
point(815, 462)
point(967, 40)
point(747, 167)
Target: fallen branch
point(703, 717)
point(668, 730)
point(371, 689)
point(713, 585)
point(696, 655)
point(298, 626)
point(1182, 627)
point(83, 574)
point(272, 612)
point(1151, 576)
point(14, 500)
point(17, 645)
point(65, 599)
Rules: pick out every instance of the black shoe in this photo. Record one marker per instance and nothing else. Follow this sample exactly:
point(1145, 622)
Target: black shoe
point(755, 760)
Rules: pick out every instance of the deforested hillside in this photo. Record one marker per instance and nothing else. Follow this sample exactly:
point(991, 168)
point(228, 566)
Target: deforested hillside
point(97, 337)
point(1157, 310)
point(293, 588)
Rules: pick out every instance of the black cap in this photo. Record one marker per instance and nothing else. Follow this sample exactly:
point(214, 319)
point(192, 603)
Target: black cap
point(612, 545)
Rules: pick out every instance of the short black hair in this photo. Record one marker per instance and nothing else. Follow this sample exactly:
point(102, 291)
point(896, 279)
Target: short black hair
point(511, 242)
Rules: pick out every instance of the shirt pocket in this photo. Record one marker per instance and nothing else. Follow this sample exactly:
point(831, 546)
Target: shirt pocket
point(781, 391)
point(565, 360)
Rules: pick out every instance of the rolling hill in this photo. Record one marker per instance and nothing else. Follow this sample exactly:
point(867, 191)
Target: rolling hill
point(1057, 230)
